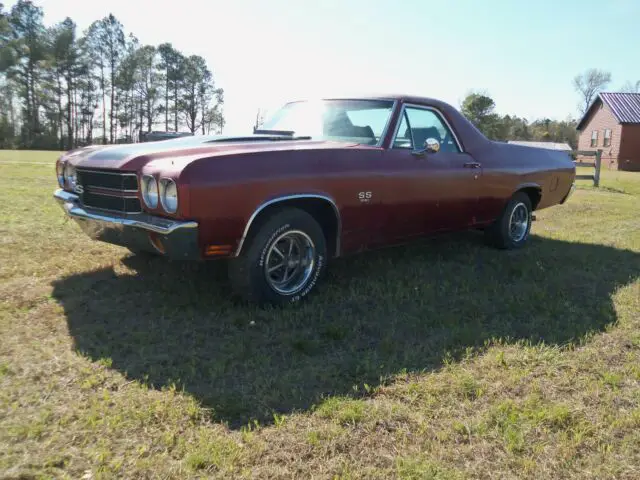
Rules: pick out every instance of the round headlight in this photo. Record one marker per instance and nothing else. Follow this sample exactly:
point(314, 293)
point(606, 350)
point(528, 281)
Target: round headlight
point(150, 191)
point(60, 173)
point(169, 195)
point(70, 176)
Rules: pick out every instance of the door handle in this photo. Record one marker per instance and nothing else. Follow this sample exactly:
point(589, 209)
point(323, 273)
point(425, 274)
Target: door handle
point(472, 165)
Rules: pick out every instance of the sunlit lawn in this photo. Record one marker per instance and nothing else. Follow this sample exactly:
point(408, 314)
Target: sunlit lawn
point(444, 359)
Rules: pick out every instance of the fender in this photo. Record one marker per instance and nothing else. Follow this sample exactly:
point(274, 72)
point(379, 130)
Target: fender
point(286, 198)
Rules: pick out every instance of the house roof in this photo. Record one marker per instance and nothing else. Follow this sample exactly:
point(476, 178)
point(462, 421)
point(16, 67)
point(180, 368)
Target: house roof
point(624, 106)
point(565, 147)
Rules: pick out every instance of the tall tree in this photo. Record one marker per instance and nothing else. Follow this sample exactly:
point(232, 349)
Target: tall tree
point(5, 31)
point(588, 85)
point(7, 119)
point(171, 67)
point(97, 51)
point(22, 55)
point(87, 87)
point(147, 84)
point(129, 104)
point(68, 67)
point(111, 38)
point(211, 109)
point(56, 72)
point(172, 64)
point(196, 80)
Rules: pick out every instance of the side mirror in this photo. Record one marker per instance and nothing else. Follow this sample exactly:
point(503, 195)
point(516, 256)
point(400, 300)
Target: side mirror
point(431, 145)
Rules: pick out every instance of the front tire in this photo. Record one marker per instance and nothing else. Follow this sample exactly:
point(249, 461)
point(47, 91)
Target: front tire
point(283, 260)
point(511, 230)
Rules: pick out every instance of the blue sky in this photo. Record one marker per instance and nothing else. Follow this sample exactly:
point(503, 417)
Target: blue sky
point(263, 53)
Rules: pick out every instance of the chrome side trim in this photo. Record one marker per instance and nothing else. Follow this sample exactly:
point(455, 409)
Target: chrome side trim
point(434, 110)
point(69, 202)
point(284, 199)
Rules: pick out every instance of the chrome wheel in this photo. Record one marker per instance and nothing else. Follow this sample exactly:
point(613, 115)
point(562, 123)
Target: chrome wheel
point(289, 262)
point(519, 222)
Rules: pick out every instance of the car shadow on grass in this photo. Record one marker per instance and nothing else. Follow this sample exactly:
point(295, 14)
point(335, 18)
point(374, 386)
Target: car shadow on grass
point(377, 314)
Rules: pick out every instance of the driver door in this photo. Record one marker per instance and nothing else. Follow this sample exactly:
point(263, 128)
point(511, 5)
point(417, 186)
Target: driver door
point(428, 190)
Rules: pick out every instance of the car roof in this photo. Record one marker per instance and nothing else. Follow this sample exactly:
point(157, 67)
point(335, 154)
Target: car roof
point(401, 97)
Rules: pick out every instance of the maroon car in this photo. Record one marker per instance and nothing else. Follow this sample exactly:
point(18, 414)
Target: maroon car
point(321, 179)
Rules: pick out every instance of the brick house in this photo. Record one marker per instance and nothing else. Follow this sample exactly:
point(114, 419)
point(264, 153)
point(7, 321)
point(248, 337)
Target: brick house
point(612, 124)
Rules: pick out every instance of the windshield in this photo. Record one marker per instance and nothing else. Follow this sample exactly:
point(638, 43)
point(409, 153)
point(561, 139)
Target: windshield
point(360, 121)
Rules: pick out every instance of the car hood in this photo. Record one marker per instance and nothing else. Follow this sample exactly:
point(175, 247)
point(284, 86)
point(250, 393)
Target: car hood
point(182, 151)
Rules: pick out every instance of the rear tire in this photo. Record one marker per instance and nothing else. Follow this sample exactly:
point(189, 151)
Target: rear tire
point(282, 260)
point(511, 230)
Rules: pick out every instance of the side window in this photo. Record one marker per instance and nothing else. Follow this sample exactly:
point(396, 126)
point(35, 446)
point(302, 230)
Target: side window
point(418, 124)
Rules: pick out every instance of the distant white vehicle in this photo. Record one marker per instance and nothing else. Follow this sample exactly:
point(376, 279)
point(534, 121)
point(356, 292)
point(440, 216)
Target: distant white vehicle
point(563, 147)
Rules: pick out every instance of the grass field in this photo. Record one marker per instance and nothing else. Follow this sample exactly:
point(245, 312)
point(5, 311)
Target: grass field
point(441, 360)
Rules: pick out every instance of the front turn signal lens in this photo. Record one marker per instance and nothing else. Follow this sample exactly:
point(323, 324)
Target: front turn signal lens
point(217, 250)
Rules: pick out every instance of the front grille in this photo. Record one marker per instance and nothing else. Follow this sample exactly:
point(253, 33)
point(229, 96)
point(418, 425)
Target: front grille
point(109, 190)
point(112, 180)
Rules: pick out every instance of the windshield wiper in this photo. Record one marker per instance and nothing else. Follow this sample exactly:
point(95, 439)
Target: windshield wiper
point(281, 135)
point(288, 139)
point(274, 132)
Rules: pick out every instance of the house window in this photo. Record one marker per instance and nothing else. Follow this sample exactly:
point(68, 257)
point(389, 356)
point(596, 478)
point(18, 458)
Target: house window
point(607, 138)
point(594, 138)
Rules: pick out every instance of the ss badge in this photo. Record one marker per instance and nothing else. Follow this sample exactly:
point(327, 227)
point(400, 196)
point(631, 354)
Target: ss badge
point(365, 197)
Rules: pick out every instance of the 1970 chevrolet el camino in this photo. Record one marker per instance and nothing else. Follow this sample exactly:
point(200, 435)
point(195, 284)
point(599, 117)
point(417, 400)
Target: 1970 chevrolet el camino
point(319, 180)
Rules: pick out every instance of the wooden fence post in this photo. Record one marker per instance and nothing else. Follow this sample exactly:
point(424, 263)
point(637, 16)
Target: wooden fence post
point(596, 177)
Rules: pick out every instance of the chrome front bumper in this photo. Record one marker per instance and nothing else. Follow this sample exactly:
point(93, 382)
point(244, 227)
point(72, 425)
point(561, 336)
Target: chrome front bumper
point(173, 238)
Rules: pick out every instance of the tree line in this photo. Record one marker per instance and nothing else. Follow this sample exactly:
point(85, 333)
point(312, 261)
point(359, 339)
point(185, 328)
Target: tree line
point(60, 88)
point(479, 107)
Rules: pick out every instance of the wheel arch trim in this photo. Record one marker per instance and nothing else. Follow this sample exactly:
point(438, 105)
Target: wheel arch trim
point(285, 198)
point(524, 185)
point(529, 185)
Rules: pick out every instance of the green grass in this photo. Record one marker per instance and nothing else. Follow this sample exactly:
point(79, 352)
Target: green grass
point(612, 180)
point(440, 360)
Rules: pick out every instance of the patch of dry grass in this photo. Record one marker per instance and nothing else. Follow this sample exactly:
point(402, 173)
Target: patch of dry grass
point(440, 360)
